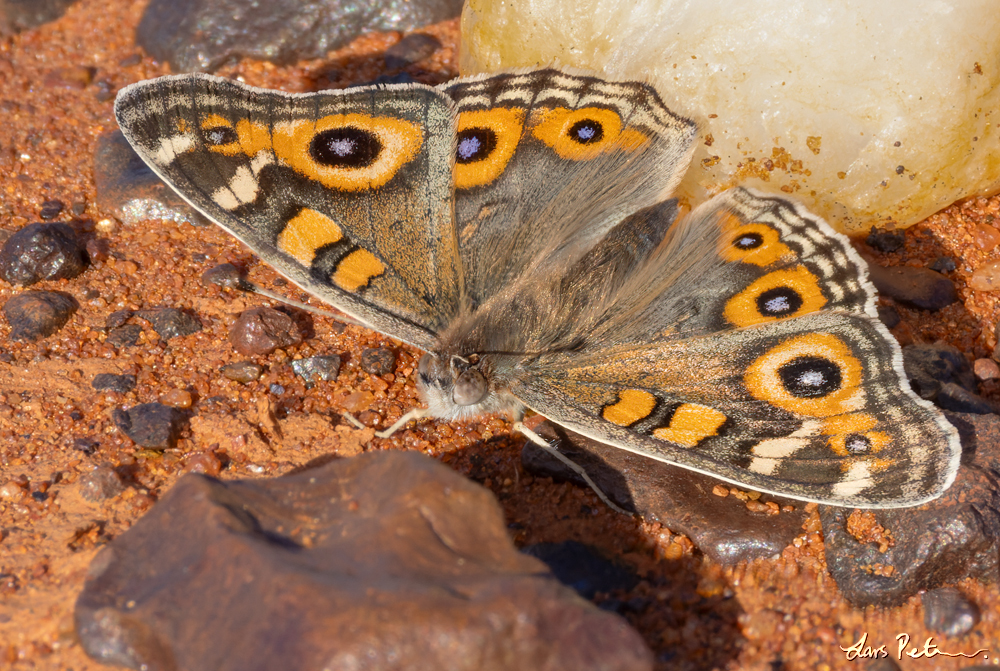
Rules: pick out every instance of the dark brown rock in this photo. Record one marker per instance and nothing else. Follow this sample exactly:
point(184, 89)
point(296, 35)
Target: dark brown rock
point(723, 528)
point(41, 252)
point(920, 288)
point(50, 210)
point(125, 336)
point(34, 315)
point(385, 561)
point(378, 360)
point(885, 241)
point(944, 541)
point(170, 322)
point(151, 425)
point(263, 330)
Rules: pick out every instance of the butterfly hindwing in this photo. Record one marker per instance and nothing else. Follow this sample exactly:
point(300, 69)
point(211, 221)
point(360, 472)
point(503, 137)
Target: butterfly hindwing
point(766, 367)
point(347, 193)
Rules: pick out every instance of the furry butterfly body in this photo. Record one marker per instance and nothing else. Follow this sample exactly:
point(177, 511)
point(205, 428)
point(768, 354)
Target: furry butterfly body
point(517, 228)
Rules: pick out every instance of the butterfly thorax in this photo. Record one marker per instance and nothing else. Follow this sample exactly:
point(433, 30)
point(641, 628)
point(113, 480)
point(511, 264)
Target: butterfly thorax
point(461, 386)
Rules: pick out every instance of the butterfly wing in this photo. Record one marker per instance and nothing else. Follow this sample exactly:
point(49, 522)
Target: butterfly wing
point(547, 162)
point(767, 368)
point(347, 193)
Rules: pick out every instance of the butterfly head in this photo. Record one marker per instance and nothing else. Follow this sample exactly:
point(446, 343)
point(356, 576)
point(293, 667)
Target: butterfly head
point(459, 386)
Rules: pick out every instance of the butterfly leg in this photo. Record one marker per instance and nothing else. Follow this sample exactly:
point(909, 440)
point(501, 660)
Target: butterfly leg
point(416, 413)
point(575, 467)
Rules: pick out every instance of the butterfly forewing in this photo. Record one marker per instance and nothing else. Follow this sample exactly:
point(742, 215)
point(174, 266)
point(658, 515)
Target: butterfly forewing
point(347, 193)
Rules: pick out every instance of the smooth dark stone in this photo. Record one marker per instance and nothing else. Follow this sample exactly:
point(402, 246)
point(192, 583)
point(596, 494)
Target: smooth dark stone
point(263, 330)
point(682, 500)
point(129, 190)
point(201, 35)
point(321, 367)
point(944, 264)
point(885, 241)
point(18, 15)
point(411, 49)
point(170, 322)
point(41, 252)
point(583, 568)
point(125, 336)
point(242, 371)
point(388, 560)
point(50, 210)
point(223, 275)
point(948, 611)
point(111, 382)
point(378, 360)
point(947, 540)
point(916, 287)
point(101, 484)
point(34, 315)
point(152, 425)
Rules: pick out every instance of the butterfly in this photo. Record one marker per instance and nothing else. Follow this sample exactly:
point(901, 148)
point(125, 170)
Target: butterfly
point(518, 228)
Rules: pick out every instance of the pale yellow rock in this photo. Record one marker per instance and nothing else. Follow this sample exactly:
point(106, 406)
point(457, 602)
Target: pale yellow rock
point(869, 112)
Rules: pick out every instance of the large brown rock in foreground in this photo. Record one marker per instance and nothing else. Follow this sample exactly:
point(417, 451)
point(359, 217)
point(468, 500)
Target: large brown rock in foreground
point(384, 561)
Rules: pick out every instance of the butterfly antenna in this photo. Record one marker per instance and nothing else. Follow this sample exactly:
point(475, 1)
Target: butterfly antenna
point(228, 275)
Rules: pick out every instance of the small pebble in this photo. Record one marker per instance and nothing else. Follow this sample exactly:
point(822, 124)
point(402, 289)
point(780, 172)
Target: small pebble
point(986, 369)
point(177, 398)
point(50, 210)
point(86, 445)
point(101, 484)
point(885, 241)
point(986, 277)
point(949, 612)
point(944, 264)
point(223, 275)
point(125, 336)
point(151, 425)
point(263, 330)
point(41, 252)
point(243, 371)
point(378, 361)
point(117, 318)
point(170, 322)
point(34, 315)
point(203, 462)
point(111, 382)
point(322, 367)
point(987, 237)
